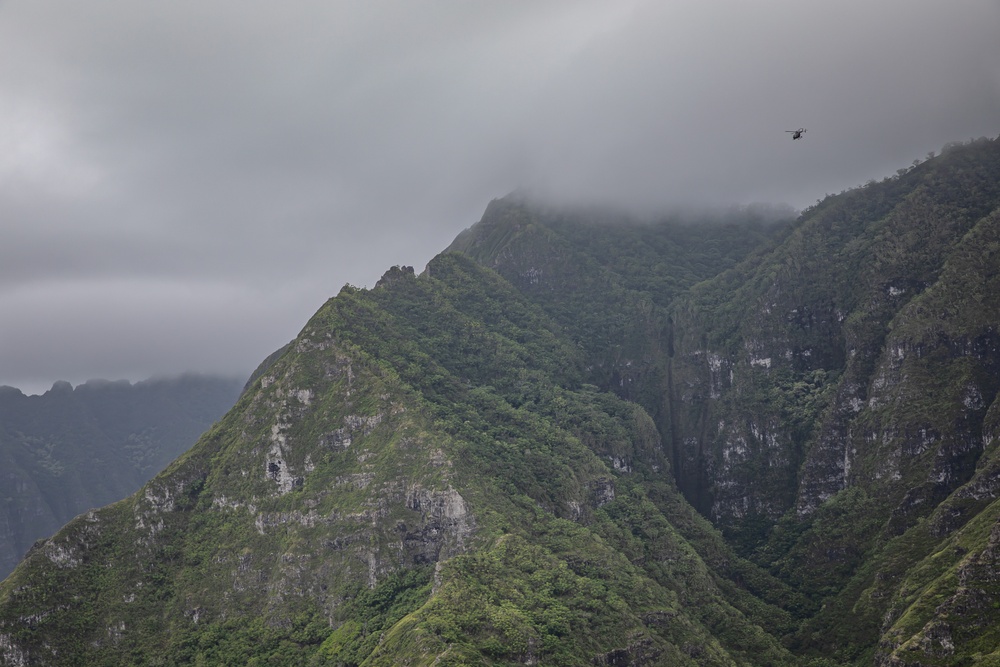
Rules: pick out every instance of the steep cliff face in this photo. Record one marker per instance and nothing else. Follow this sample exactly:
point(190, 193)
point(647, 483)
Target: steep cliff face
point(942, 380)
point(825, 331)
point(884, 350)
point(71, 450)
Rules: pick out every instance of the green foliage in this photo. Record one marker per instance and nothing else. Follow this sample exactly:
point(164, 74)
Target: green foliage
point(372, 613)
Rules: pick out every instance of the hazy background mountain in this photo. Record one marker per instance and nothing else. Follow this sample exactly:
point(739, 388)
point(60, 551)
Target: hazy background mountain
point(586, 438)
point(70, 449)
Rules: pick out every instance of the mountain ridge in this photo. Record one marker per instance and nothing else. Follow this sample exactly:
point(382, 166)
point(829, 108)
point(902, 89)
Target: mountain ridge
point(499, 460)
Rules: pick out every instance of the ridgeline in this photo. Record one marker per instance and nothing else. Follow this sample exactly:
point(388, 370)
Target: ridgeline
point(581, 439)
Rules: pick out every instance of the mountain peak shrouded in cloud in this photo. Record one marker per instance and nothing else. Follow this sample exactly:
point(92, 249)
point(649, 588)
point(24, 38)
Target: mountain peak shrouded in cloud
point(182, 184)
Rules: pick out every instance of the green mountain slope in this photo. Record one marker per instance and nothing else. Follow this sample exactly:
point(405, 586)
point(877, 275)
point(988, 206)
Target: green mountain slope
point(70, 450)
point(381, 497)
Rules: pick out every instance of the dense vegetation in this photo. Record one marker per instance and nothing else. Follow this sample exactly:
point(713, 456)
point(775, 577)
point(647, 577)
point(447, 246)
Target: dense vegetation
point(582, 439)
point(71, 450)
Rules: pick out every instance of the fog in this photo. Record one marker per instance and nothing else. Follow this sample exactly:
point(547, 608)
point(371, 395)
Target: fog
point(183, 184)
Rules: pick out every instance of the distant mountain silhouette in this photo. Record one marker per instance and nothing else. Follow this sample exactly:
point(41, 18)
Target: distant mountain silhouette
point(70, 450)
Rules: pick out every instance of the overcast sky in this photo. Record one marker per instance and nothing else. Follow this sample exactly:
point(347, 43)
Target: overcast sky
point(183, 183)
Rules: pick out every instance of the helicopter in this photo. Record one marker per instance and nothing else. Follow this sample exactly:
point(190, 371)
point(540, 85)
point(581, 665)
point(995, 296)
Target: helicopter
point(797, 134)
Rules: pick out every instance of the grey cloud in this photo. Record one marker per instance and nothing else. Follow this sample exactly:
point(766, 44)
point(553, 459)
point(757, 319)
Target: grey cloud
point(692, 102)
point(134, 329)
point(231, 166)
